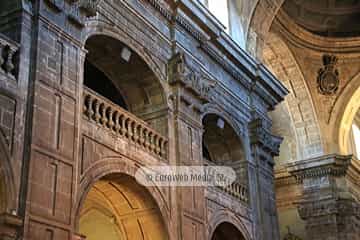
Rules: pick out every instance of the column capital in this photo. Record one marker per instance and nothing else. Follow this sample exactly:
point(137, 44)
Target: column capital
point(261, 136)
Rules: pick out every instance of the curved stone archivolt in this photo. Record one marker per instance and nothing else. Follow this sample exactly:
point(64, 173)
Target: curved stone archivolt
point(119, 208)
point(280, 60)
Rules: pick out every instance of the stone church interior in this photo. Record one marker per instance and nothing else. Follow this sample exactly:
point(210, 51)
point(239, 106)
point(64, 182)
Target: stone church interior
point(93, 91)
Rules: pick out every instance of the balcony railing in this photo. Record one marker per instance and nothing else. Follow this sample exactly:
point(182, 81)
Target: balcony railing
point(234, 189)
point(237, 190)
point(8, 49)
point(110, 116)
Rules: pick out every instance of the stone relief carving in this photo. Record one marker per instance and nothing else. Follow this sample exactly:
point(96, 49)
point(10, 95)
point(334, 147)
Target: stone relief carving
point(197, 82)
point(259, 134)
point(328, 76)
point(89, 7)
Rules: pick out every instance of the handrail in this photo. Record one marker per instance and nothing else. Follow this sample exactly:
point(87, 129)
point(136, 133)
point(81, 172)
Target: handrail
point(111, 116)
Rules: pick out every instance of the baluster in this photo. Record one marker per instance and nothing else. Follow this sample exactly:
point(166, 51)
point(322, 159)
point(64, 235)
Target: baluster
point(152, 145)
point(129, 129)
point(117, 122)
point(104, 119)
point(157, 145)
point(9, 66)
point(97, 111)
point(142, 136)
point(123, 130)
point(89, 109)
point(140, 133)
point(238, 191)
point(111, 121)
point(148, 140)
point(136, 136)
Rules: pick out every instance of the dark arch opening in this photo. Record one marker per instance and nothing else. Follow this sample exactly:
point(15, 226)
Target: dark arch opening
point(118, 73)
point(97, 81)
point(222, 146)
point(227, 231)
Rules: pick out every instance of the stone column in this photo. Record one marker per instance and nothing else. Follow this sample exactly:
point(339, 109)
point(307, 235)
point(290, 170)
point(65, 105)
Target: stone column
point(330, 189)
point(264, 147)
point(9, 226)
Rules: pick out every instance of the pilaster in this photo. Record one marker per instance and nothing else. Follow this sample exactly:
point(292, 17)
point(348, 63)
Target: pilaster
point(264, 147)
point(191, 89)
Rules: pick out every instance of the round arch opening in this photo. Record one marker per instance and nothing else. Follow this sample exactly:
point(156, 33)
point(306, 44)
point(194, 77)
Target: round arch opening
point(227, 231)
point(117, 207)
point(115, 71)
point(222, 146)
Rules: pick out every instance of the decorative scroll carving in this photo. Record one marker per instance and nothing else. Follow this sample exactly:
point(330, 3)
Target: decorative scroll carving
point(89, 7)
point(328, 76)
point(260, 135)
point(197, 82)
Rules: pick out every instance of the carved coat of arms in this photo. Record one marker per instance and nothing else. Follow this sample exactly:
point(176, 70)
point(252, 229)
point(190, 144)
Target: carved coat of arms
point(328, 76)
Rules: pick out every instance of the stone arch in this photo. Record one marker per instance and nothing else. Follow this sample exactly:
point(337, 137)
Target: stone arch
point(225, 216)
point(114, 166)
point(149, 94)
point(343, 114)
point(236, 125)
point(260, 23)
point(7, 184)
point(278, 57)
point(225, 146)
point(97, 27)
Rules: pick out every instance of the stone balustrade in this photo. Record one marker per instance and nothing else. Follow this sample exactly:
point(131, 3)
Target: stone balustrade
point(8, 49)
point(124, 124)
point(237, 190)
point(234, 189)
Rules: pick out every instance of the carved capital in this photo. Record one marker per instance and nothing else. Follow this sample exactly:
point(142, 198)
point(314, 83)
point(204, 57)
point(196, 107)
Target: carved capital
point(262, 137)
point(89, 7)
point(196, 81)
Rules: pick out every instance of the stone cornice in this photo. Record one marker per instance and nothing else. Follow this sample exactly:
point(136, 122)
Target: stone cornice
point(328, 165)
point(202, 25)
